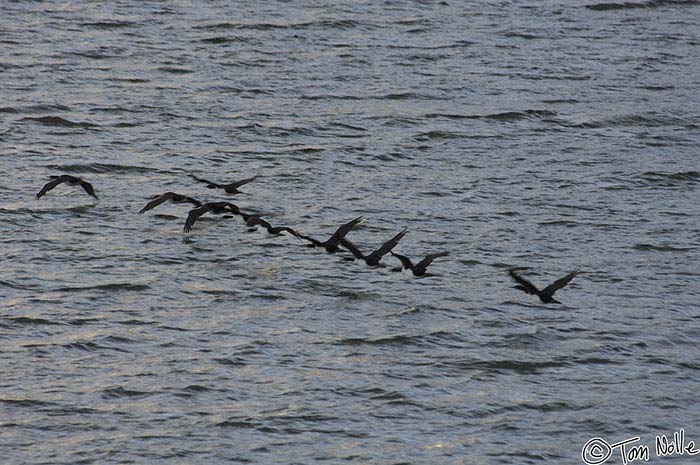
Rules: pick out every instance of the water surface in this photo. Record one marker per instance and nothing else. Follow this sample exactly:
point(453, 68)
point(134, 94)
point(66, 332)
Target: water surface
point(546, 135)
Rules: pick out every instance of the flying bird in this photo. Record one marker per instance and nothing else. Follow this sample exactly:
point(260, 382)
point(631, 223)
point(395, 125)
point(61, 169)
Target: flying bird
point(70, 180)
point(419, 268)
point(169, 196)
point(331, 245)
point(546, 295)
point(214, 207)
point(253, 220)
point(375, 257)
point(231, 188)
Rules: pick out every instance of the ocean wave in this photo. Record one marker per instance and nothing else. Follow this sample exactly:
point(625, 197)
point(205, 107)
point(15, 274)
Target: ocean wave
point(25, 402)
point(649, 120)
point(503, 116)
point(29, 321)
point(266, 26)
point(635, 5)
point(108, 24)
point(670, 179)
point(523, 367)
point(34, 109)
point(57, 121)
point(434, 338)
point(174, 70)
point(102, 168)
point(104, 287)
point(389, 340)
point(120, 392)
point(223, 40)
point(660, 248)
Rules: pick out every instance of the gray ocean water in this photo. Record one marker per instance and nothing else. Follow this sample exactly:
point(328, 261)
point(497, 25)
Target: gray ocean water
point(549, 136)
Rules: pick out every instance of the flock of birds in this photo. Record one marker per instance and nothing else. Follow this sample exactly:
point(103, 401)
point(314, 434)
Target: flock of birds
point(331, 245)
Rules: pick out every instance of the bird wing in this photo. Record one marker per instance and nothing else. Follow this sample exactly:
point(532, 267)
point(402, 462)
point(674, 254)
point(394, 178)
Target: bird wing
point(88, 187)
point(405, 261)
point(386, 247)
point(233, 208)
point(55, 181)
point(342, 232)
point(279, 229)
point(425, 263)
point(245, 216)
point(194, 202)
point(256, 220)
point(155, 202)
point(242, 182)
point(313, 241)
point(525, 285)
point(558, 284)
point(352, 248)
point(209, 183)
point(194, 214)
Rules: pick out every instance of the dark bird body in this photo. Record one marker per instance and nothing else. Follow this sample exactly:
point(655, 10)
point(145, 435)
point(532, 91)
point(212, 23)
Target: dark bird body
point(231, 188)
point(169, 196)
point(253, 220)
point(332, 244)
point(68, 179)
point(419, 268)
point(375, 257)
point(546, 295)
point(214, 207)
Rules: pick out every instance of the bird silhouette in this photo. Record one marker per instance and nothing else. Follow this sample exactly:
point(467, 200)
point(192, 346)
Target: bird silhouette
point(214, 207)
point(254, 220)
point(375, 257)
point(546, 295)
point(419, 268)
point(332, 244)
point(231, 188)
point(68, 179)
point(169, 196)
